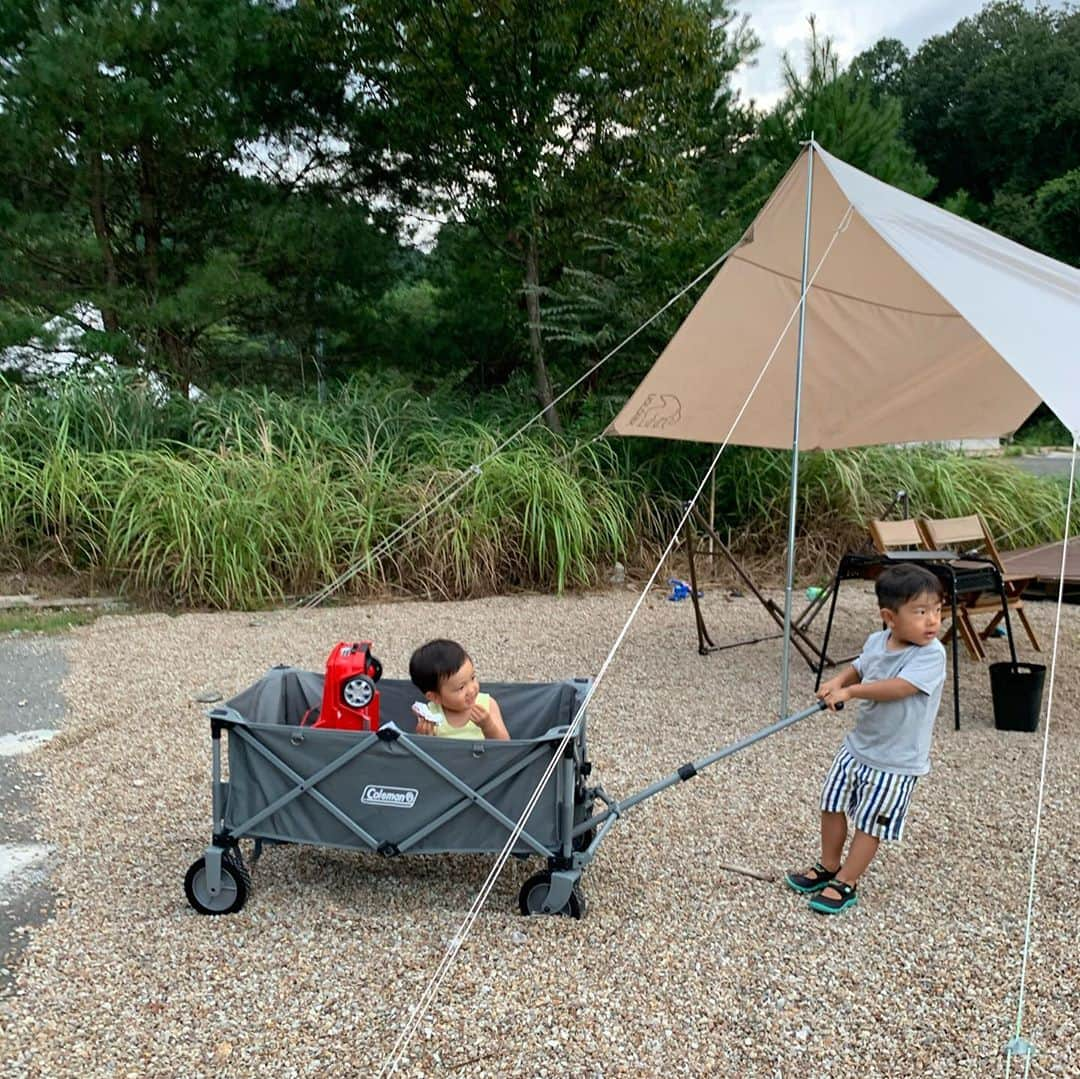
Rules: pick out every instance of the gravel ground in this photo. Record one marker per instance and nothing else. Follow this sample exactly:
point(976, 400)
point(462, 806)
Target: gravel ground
point(679, 968)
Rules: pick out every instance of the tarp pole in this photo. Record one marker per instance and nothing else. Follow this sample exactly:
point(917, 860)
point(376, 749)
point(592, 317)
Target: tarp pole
point(790, 579)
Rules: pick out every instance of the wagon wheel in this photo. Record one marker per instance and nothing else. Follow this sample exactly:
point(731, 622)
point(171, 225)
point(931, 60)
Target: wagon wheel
point(358, 691)
point(584, 805)
point(235, 886)
point(534, 893)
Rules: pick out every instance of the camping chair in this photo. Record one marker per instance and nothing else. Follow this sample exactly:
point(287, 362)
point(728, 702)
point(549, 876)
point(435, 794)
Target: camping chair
point(970, 536)
point(905, 535)
point(896, 535)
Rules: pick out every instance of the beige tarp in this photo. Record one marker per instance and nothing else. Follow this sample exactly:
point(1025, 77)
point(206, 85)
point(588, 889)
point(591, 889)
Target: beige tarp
point(920, 326)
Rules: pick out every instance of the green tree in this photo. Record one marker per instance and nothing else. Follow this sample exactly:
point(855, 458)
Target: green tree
point(994, 104)
point(449, 324)
point(883, 68)
point(325, 266)
point(626, 271)
point(1057, 208)
point(148, 153)
point(634, 264)
point(529, 119)
point(844, 115)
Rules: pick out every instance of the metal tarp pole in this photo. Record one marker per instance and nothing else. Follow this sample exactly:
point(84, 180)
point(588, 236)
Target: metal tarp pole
point(790, 579)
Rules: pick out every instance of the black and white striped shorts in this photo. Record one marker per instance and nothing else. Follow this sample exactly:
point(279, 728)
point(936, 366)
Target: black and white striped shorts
point(876, 801)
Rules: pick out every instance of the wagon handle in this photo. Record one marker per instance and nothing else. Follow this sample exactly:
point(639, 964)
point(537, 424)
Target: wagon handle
point(691, 769)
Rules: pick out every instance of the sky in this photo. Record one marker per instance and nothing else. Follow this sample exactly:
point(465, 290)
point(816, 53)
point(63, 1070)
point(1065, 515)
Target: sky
point(853, 25)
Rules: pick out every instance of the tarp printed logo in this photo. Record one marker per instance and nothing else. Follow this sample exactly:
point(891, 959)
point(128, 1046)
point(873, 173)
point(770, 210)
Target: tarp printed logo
point(658, 411)
point(401, 797)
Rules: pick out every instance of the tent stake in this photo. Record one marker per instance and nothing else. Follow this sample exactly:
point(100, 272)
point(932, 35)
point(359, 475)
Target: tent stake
point(790, 579)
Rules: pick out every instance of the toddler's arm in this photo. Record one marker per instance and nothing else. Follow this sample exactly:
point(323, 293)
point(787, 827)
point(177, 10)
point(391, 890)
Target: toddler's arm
point(888, 689)
point(427, 722)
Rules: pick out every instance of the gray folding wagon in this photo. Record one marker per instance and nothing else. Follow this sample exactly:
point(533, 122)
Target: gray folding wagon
point(395, 792)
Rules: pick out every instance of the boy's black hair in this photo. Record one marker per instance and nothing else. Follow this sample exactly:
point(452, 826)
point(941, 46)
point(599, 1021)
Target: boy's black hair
point(434, 662)
point(897, 584)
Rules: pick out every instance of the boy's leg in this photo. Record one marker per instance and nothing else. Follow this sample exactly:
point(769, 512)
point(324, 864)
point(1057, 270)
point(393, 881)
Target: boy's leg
point(840, 894)
point(833, 835)
point(884, 813)
point(835, 796)
point(860, 855)
point(881, 802)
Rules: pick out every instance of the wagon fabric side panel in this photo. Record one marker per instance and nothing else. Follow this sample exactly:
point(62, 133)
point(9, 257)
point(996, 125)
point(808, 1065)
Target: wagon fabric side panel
point(282, 695)
point(393, 793)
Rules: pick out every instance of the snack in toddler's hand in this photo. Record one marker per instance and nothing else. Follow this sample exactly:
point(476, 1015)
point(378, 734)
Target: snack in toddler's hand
point(422, 711)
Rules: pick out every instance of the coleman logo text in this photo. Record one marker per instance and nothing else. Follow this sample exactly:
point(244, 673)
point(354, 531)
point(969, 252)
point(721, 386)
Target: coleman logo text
point(401, 797)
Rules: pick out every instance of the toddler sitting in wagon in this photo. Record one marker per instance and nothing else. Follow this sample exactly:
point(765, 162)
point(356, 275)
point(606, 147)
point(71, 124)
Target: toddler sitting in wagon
point(455, 707)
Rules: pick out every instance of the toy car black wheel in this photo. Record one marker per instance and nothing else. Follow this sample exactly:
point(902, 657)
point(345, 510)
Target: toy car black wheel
point(376, 668)
point(234, 891)
point(534, 893)
point(358, 691)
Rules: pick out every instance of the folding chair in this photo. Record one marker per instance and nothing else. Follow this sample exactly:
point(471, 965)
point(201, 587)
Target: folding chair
point(896, 535)
point(970, 536)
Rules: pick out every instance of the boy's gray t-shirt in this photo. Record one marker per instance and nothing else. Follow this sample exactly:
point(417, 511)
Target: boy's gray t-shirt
point(894, 736)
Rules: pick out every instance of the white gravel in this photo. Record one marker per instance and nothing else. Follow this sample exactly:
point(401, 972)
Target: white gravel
point(679, 968)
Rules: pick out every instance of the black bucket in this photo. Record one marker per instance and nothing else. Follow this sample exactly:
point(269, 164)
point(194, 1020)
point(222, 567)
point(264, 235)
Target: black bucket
point(1017, 691)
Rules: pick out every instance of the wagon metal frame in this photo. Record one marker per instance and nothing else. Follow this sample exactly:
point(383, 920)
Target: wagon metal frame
point(394, 792)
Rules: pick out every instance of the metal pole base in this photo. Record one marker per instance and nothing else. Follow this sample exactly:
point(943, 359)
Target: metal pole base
point(1019, 1047)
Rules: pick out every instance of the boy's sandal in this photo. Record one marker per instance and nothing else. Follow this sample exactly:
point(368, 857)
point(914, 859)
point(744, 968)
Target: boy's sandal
point(803, 882)
point(825, 904)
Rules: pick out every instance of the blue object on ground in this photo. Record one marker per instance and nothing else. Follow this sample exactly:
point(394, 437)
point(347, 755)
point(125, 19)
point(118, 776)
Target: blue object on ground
point(680, 590)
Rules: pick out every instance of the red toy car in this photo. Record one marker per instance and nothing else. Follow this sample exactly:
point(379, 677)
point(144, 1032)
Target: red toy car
point(350, 700)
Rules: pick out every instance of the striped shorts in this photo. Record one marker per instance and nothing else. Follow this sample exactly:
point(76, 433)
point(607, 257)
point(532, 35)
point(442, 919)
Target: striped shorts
point(876, 801)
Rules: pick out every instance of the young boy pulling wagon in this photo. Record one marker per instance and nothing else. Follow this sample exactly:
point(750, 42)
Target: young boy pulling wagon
point(898, 677)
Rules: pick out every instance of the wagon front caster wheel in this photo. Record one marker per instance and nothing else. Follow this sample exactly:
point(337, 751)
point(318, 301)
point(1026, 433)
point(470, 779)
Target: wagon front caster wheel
point(534, 893)
point(235, 887)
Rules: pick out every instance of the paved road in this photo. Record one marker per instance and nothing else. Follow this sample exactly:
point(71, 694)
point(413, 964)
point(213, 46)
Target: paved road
point(1044, 464)
point(31, 670)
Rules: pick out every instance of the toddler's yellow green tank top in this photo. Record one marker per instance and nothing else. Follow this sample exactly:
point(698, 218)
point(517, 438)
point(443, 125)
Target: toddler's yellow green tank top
point(470, 731)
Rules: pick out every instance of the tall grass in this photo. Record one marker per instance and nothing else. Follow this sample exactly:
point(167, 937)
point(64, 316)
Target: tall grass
point(18, 536)
point(266, 497)
point(244, 499)
point(119, 410)
point(841, 490)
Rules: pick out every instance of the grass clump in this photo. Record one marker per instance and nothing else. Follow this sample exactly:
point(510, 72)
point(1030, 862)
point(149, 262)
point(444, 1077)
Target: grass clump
point(840, 491)
point(31, 620)
point(268, 498)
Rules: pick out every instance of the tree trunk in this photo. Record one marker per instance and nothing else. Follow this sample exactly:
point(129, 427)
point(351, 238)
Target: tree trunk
point(149, 216)
point(101, 231)
point(536, 344)
point(171, 349)
point(178, 361)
